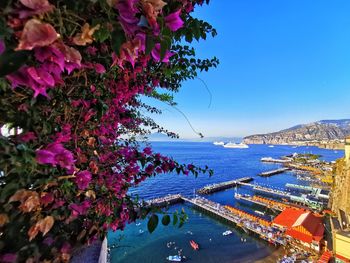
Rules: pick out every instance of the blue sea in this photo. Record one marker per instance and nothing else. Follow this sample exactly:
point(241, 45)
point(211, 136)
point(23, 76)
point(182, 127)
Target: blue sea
point(135, 244)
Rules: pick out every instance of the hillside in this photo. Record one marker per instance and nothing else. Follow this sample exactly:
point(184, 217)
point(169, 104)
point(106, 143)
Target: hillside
point(316, 133)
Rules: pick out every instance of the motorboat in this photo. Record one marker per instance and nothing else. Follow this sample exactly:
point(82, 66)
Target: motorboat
point(271, 146)
point(259, 212)
point(236, 145)
point(227, 232)
point(194, 245)
point(175, 258)
point(218, 143)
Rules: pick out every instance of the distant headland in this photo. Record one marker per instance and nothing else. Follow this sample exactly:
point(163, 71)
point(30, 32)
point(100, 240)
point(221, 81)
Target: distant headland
point(324, 134)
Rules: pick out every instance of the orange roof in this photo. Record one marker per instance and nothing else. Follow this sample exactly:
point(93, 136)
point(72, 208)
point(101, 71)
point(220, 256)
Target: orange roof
point(288, 217)
point(298, 235)
point(291, 218)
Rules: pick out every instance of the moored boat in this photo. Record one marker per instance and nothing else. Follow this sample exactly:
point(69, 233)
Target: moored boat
point(227, 232)
point(194, 245)
point(218, 143)
point(175, 258)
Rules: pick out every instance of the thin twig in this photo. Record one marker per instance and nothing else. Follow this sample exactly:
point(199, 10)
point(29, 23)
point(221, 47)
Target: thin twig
point(207, 88)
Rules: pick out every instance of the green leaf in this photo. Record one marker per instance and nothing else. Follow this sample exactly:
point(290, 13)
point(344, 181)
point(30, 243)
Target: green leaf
point(102, 34)
point(152, 223)
point(11, 61)
point(181, 223)
point(166, 220)
point(8, 190)
point(149, 44)
point(188, 37)
point(163, 49)
point(118, 38)
point(175, 219)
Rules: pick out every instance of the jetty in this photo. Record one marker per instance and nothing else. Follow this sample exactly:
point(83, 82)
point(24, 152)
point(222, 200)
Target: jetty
point(208, 189)
point(267, 190)
point(272, 160)
point(273, 172)
point(165, 200)
point(241, 219)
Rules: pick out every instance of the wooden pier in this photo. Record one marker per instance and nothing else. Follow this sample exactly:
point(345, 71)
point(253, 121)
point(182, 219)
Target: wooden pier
point(273, 172)
point(222, 186)
point(253, 225)
point(269, 203)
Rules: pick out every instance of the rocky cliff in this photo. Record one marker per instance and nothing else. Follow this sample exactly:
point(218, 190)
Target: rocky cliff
point(308, 134)
point(340, 199)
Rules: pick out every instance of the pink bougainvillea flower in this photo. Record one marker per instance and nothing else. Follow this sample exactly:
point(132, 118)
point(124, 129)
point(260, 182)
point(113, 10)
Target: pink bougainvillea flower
point(51, 54)
point(55, 154)
point(156, 54)
point(99, 68)
point(92, 51)
point(83, 179)
point(66, 248)
point(2, 46)
point(72, 56)
point(27, 137)
point(80, 209)
point(41, 76)
point(8, 258)
point(65, 135)
point(127, 15)
point(38, 79)
point(149, 169)
point(174, 21)
point(147, 150)
point(36, 34)
point(34, 7)
point(46, 198)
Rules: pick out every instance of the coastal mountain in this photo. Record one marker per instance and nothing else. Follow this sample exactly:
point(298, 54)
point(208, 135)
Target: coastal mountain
point(324, 131)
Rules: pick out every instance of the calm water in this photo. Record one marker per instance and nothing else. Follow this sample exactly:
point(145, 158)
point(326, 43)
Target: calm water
point(136, 245)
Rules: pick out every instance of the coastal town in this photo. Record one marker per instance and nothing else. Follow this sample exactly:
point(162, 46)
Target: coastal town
point(302, 219)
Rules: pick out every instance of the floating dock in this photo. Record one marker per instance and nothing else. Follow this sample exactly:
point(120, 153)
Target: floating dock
point(222, 186)
point(273, 172)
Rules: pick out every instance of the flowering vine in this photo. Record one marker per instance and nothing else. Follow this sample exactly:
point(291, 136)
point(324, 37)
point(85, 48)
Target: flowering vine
point(71, 76)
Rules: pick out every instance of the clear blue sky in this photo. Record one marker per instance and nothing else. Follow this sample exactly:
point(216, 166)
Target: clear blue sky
point(282, 63)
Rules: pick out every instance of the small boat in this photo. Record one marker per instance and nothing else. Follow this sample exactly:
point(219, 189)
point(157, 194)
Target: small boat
point(271, 146)
point(194, 245)
point(218, 143)
point(259, 212)
point(138, 224)
point(175, 258)
point(227, 232)
point(141, 231)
